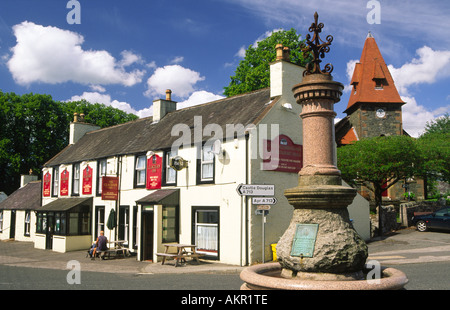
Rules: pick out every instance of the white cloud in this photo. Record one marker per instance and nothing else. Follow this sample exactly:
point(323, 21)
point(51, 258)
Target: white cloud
point(177, 60)
point(52, 55)
point(426, 69)
point(175, 77)
point(197, 98)
point(129, 58)
point(95, 97)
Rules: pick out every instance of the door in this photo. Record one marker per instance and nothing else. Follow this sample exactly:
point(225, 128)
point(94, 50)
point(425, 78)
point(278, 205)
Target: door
point(12, 229)
point(147, 235)
point(50, 231)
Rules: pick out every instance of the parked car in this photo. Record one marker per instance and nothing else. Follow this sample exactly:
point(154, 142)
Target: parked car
point(439, 220)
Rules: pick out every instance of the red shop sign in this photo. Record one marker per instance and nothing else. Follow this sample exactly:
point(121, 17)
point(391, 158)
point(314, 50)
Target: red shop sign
point(46, 186)
point(110, 188)
point(64, 183)
point(154, 172)
point(290, 155)
point(87, 181)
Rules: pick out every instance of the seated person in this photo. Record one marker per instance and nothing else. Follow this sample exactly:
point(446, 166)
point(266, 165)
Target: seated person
point(100, 244)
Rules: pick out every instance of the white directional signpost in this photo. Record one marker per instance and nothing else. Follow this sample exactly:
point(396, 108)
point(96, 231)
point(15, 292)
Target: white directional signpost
point(256, 190)
point(263, 204)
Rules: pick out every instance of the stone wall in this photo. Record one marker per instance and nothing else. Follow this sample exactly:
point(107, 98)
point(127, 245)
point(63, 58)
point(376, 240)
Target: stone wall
point(407, 210)
point(388, 221)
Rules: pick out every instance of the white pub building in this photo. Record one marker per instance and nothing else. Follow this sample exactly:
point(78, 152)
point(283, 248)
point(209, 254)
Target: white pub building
point(181, 175)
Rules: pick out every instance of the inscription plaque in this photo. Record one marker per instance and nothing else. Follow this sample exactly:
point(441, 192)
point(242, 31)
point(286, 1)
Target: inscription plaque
point(304, 240)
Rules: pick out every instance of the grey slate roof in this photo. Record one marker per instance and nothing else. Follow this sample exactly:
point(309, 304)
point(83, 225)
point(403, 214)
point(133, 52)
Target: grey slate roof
point(143, 135)
point(27, 197)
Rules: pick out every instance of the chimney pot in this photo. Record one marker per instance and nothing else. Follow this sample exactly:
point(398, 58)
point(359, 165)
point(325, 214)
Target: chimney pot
point(279, 49)
point(168, 95)
point(75, 117)
point(82, 117)
point(286, 53)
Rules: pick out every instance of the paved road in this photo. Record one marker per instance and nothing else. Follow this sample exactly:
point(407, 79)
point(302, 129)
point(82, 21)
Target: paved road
point(424, 257)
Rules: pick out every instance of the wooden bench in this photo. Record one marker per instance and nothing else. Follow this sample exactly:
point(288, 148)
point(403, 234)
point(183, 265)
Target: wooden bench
point(102, 254)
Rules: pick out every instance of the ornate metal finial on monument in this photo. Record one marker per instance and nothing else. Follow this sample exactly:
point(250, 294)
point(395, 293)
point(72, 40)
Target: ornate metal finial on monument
point(318, 47)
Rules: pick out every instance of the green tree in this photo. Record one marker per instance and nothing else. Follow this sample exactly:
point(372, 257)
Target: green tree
point(34, 128)
point(253, 73)
point(434, 146)
point(378, 163)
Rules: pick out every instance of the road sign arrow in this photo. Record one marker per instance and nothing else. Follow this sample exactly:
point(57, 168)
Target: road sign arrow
point(256, 189)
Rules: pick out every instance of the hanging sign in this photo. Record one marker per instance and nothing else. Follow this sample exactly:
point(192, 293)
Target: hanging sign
point(290, 155)
point(87, 181)
point(110, 188)
point(46, 185)
point(154, 172)
point(64, 191)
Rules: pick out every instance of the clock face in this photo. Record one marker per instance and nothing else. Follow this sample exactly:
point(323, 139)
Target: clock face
point(380, 113)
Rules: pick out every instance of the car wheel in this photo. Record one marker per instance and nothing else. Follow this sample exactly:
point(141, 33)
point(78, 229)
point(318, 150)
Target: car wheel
point(421, 226)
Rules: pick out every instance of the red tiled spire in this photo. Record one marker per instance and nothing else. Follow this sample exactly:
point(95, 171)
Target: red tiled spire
point(372, 81)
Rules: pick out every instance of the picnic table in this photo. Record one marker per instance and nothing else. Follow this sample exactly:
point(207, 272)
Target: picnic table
point(115, 247)
point(182, 252)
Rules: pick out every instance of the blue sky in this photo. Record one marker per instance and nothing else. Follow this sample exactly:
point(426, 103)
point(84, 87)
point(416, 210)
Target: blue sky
point(126, 53)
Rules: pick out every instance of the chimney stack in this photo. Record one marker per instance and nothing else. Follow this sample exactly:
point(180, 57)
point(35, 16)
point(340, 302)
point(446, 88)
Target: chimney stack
point(284, 73)
point(79, 128)
point(25, 179)
point(161, 107)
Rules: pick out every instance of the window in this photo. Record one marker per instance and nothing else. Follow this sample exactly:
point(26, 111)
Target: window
point(27, 223)
point(55, 188)
point(1, 221)
point(139, 174)
point(169, 224)
point(100, 218)
point(101, 172)
point(41, 223)
point(76, 180)
point(206, 230)
point(205, 165)
point(60, 223)
point(124, 220)
point(170, 174)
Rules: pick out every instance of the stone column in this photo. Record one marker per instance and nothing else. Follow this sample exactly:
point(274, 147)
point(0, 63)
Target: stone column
point(320, 198)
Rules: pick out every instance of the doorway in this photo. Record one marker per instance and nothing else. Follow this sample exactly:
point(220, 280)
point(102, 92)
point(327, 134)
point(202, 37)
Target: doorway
point(12, 229)
point(50, 231)
point(147, 235)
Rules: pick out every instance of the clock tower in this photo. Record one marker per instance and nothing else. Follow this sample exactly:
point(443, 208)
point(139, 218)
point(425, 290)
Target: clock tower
point(374, 107)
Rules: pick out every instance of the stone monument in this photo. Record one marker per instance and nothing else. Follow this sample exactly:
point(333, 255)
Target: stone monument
point(320, 248)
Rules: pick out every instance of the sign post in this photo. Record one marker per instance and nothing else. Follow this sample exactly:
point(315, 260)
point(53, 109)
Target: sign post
point(263, 202)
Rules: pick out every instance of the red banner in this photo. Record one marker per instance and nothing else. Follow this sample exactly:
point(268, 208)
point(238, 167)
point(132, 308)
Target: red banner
point(110, 188)
point(154, 172)
point(64, 188)
point(46, 186)
point(87, 181)
point(290, 155)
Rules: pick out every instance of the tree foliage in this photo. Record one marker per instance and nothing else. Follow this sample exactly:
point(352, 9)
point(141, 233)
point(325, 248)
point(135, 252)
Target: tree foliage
point(378, 163)
point(253, 72)
point(434, 146)
point(34, 128)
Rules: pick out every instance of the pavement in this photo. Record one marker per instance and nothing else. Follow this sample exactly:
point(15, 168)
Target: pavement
point(405, 246)
point(23, 254)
